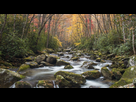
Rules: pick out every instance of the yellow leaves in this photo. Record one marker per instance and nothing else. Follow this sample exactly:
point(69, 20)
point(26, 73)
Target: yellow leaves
point(59, 43)
point(77, 44)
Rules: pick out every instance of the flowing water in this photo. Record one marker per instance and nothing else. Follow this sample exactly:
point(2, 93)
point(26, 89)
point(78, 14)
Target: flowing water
point(47, 72)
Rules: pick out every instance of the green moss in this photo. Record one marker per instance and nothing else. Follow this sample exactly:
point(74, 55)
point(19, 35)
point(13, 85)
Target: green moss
point(68, 67)
point(46, 83)
point(75, 78)
point(106, 73)
point(127, 77)
point(94, 74)
point(62, 82)
point(23, 67)
point(5, 63)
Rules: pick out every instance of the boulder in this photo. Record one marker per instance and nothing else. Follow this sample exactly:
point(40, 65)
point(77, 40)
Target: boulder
point(23, 67)
point(60, 54)
point(62, 82)
point(75, 79)
point(126, 78)
point(41, 65)
point(49, 50)
point(107, 65)
point(61, 62)
point(106, 73)
point(45, 84)
point(94, 74)
point(51, 60)
point(32, 64)
point(46, 63)
point(93, 64)
point(68, 67)
point(110, 56)
point(40, 58)
point(8, 78)
point(30, 58)
point(98, 60)
point(103, 61)
point(116, 73)
point(23, 84)
point(75, 58)
point(89, 66)
point(67, 50)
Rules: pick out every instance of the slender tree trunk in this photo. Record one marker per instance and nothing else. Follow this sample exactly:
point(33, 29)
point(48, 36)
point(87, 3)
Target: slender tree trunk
point(24, 26)
point(123, 29)
point(29, 24)
point(47, 44)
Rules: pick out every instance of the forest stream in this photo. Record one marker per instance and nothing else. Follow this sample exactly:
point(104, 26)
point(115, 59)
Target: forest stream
point(47, 72)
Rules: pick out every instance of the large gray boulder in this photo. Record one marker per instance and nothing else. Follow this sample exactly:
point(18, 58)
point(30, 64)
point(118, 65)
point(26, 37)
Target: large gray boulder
point(51, 60)
point(32, 64)
point(8, 78)
point(40, 58)
point(61, 62)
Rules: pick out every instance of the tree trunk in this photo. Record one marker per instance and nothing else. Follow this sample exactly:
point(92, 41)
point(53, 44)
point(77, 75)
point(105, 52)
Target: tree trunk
point(24, 26)
point(47, 44)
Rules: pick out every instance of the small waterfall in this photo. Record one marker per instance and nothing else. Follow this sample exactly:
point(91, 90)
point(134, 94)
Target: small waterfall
point(55, 86)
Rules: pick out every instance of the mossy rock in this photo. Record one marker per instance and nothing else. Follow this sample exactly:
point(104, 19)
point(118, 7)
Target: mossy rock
point(106, 73)
point(49, 50)
point(62, 82)
point(107, 65)
point(94, 74)
point(29, 53)
point(32, 64)
point(75, 58)
point(45, 84)
point(30, 58)
point(116, 73)
point(126, 78)
point(46, 63)
point(103, 61)
point(68, 67)
point(40, 58)
point(8, 78)
point(23, 84)
point(23, 67)
point(98, 60)
point(61, 62)
point(74, 78)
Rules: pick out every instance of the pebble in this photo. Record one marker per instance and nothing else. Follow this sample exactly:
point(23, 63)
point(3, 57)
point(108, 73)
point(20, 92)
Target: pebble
point(127, 86)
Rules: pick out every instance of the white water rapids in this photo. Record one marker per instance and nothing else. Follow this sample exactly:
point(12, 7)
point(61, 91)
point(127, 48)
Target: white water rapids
point(47, 72)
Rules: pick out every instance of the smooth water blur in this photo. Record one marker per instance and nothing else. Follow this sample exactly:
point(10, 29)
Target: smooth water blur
point(47, 72)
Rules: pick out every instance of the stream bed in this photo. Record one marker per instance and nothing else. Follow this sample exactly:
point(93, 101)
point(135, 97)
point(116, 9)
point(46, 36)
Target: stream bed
point(47, 72)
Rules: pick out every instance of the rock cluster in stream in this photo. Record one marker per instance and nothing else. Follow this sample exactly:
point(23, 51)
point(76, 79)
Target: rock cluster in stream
point(121, 70)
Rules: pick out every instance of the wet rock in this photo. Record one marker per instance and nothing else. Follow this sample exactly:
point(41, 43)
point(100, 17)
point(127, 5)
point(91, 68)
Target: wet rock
point(61, 54)
point(94, 74)
point(116, 73)
point(49, 50)
point(107, 65)
point(106, 73)
point(67, 50)
point(75, 79)
point(45, 84)
point(89, 66)
point(51, 60)
point(23, 84)
point(98, 60)
point(93, 64)
point(46, 63)
point(40, 58)
point(30, 58)
point(102, 61)
point(32, 64)
point(126, 78)
point(8, 78)
point(68, 67)
point(62, 82)
point(23, 67)
point(61, 62)
point(41, 65)
point(75, 58)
